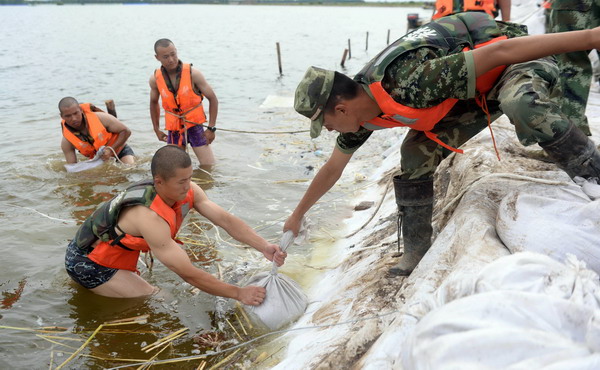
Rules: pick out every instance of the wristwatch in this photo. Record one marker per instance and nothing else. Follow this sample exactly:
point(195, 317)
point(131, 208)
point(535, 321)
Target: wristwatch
point(213, 129)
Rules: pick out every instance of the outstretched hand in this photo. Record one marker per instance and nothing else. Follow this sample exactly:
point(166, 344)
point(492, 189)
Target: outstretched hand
point(273, 253)
point(252, 295)
point(293, 224)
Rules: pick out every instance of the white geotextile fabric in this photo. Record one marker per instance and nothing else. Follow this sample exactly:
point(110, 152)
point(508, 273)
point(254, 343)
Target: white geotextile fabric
point(284, 301)
point(553, 220)
point(523, 311)
point(86, 165)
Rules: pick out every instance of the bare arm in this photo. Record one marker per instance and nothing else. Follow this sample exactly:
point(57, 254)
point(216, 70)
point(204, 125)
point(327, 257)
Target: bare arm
point(327, 176)
point(523, 49)
point(140, 220)
point(213, 103)
point(235, 227)
point(155, 110)
point(112, 124)
point(504, 6)
point(68, 150)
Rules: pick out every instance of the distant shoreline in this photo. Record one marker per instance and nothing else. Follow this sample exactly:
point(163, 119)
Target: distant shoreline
point(409, 4)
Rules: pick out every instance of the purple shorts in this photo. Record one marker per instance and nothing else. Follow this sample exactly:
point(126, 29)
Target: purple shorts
point(195, 136)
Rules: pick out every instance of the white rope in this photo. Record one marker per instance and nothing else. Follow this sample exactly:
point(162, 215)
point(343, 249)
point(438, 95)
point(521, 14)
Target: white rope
point(500, 175)
point(43, 214)
point(115, 153)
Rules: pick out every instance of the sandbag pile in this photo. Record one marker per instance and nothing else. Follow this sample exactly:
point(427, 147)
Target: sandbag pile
point(553, 220)
point(523, 311)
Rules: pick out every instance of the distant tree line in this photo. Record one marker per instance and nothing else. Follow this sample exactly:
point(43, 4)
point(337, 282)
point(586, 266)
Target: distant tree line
point(60, 2)
point(303, 2)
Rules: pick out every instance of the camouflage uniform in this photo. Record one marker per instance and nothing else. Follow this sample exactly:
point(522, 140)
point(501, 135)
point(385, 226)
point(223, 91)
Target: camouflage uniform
point(426, 76)
point(576, 68)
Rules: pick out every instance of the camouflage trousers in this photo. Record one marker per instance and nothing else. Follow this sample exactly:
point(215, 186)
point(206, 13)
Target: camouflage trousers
point(576, 68)
point(528, 93)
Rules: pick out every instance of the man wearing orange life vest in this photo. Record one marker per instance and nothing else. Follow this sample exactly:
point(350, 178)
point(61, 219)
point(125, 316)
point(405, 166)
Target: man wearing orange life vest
point(146, 217)
point(86, 128)
point(446, 81)
point(447, 7)
point(182, 89)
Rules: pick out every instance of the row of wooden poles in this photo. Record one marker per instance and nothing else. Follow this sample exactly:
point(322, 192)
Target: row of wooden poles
point(347, 52)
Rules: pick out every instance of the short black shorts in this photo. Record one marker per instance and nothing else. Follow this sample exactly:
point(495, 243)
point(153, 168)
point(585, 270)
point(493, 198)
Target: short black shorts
point(125, 151)
point(83, 270)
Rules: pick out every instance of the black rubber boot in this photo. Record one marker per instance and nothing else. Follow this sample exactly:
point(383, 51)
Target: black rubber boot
point(574, 153)
point(415, 208)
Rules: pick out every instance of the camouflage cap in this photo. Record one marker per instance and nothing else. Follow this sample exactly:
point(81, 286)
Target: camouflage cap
point(312, 94)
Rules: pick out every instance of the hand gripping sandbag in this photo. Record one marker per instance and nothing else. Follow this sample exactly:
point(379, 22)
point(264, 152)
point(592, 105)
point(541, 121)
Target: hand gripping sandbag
point(86, 165)
point(285, 301)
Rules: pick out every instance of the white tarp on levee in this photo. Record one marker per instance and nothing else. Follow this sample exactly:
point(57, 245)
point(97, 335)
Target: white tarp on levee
point(510, 282)
point(469, 303)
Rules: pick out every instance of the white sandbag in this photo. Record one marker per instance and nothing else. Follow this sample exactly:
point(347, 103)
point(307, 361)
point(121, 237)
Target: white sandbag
point(525, 311)
point(537, 273)
point(284, 301)
point(86, 165)
point(552, 220)
point(505, 330)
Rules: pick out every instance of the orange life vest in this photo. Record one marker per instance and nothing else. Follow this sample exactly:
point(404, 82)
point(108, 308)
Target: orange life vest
point(96, 129)
point(123, 251)
point(424, 119)
point(547, 4)
point(446, 7)
point(183, 109)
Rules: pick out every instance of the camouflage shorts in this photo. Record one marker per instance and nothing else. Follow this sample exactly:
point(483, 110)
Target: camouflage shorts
point(526, 92)
point(576, 68)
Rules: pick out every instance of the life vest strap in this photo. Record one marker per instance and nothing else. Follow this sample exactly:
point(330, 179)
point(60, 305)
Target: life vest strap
point(182, 142)
point(435, 138)
point(117, 238)
point(182, 115)
point(482, 102)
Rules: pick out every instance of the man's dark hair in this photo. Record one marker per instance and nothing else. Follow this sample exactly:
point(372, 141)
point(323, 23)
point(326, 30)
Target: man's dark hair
point(66, 102)
point(162, 43)
point(343, 88)
point(167, 160)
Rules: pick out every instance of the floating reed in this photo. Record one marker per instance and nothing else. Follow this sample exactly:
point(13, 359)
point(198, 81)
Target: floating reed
point(223, 361)
point(235, 331)
point(44, 329)
point(289, 181)
point(166, 340)
point(143, 319)
point(248, 322)
point(240, 321)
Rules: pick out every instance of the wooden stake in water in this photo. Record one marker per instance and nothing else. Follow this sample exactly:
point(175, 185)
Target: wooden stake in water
point(279, 58)
point(367, 42)
point(110, 107)
point(349, 50)
point(388, 37)
point(344, 57)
